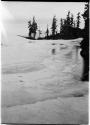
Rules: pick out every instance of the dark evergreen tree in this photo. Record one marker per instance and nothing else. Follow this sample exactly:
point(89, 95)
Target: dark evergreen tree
point(47, 32)
point(65, 27)
point(78, 20)
point(68, 18)
point(40, 32)
point(65, 22)
point(74, 24)
point(30, 28)
point(68, 28)
point(34, 27)
point(54, 26)
point(72, 20)
point(86, 19)
point(61, 24)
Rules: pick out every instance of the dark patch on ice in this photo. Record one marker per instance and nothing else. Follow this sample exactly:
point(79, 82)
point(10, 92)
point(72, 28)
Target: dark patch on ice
point(53, 43)
point(53, 51)
point(4, 45)
point(21, 81)
point(76, 94)
point(31, 42)
point(19, 76)
point(63, 46)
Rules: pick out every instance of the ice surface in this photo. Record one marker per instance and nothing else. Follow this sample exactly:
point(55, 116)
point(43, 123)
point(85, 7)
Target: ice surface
point(41, 87)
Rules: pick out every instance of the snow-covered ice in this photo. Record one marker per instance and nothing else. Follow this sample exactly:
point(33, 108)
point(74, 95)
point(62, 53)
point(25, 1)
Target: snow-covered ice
point(41, 87)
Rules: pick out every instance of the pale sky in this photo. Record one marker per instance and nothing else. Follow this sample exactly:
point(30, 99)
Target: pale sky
point(21, 12)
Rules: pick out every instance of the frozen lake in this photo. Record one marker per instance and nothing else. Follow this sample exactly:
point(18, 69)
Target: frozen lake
point(41, 87)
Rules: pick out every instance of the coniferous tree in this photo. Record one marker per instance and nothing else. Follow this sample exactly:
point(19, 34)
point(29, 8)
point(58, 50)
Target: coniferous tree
point(47, 32)
point(32, 27)
point(40, 32)
point(74, 24)
point(71, 21)
point(61, 24)
point(78, 20)
point(68, 28)
point(65, 27)
point(64, 22)
point(86, 18)
point(68, 18)
point(54, 26)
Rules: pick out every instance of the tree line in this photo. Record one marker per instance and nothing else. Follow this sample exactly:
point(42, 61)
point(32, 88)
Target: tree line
point(67, 24)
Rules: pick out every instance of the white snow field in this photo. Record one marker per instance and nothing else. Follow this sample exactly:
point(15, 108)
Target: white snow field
point(39, 87)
